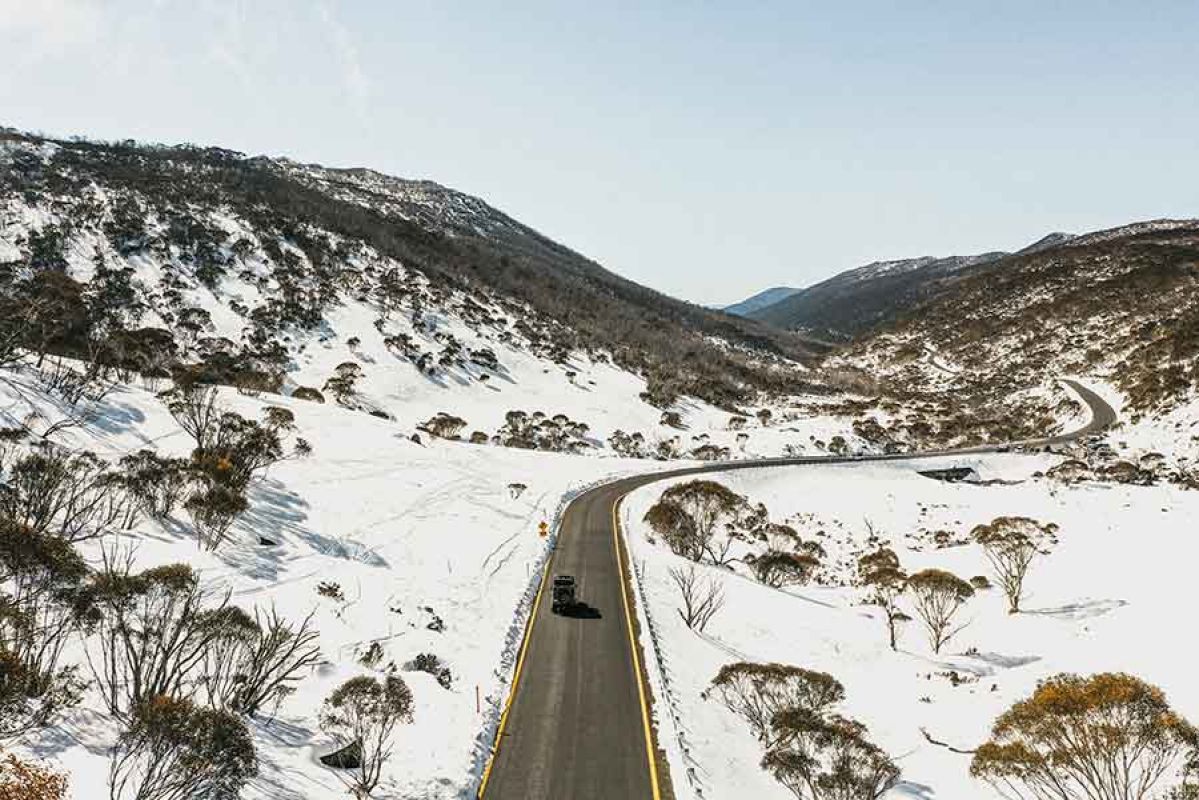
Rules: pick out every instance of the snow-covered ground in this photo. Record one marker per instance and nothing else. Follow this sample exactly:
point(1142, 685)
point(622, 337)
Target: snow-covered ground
point(1108, 598)
point(410, 533)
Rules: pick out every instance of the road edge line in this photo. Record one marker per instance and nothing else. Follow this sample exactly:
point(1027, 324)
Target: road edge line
point(520, 663)
point(650, 755)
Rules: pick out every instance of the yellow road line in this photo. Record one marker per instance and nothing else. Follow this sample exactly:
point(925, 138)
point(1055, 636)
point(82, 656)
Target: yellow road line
point(628, 617)
point(520, 663)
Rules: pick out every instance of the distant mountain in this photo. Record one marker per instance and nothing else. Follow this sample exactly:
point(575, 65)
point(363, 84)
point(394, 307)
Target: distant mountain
point(760, 300)
point(1121, 305)
point(864, 298)
point(1046, 242)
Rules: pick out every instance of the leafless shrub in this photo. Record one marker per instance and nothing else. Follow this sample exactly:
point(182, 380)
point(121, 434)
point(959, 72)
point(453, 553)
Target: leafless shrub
point(702, 598)
point(73, 497)
point(257, 665)
point(147, 633)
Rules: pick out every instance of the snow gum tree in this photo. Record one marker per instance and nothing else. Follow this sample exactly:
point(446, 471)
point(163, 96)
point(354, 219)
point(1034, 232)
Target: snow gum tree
point(777, 568)
point(938, 596)
point(819, 757)
point(1109, 736)
point(705, 506)
point(362, 714)
point(757, 692)
point(176, 750)
point(812, 751)
point(1011, 545)
point(881, 573)
point(677, 529)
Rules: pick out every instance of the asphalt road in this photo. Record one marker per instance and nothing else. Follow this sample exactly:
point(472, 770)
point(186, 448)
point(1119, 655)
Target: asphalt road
point(577, 726)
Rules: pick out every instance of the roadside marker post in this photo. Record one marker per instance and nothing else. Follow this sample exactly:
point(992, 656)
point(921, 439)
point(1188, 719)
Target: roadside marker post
point(543, 529)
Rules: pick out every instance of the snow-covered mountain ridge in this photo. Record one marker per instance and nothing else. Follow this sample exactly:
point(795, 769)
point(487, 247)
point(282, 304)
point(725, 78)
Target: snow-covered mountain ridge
point(307, 238)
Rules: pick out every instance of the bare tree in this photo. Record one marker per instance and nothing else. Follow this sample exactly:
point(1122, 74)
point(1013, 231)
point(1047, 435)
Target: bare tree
point(938, 596)
point(148, 632)
point(1011, 545)
point(702, 598)
point(256, 666)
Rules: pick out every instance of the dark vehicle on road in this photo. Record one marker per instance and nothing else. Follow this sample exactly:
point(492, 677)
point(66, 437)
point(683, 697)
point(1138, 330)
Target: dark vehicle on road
point(563, 595)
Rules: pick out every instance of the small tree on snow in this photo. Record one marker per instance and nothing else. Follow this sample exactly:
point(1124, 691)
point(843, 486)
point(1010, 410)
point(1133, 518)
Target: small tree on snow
point(938, 596)
point(363, 713)
point(708, 504)
point(777, 568)
point(702, 599)
point(1011, 545)
point(827, 757)
point(881, 573)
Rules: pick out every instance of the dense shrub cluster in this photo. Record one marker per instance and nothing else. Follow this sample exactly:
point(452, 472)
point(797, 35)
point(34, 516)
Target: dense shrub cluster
point(538, 431)
point(811, 750)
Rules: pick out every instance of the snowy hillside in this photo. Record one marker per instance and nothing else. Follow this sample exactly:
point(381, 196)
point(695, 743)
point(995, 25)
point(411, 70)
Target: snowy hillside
point(1118, 306)
point(1096, 602)
point(867, 297)
point(402, 547)
point(244, 261)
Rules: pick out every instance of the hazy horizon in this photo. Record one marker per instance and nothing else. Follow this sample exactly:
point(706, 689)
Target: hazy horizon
point(709, 154)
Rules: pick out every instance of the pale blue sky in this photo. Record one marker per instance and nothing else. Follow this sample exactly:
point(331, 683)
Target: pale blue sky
point(708, 150)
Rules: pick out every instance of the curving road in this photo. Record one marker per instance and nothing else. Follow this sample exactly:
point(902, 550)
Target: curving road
point(577, 724)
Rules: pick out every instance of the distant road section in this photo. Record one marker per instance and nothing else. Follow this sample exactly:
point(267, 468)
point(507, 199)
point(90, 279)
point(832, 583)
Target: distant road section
point(577, 726)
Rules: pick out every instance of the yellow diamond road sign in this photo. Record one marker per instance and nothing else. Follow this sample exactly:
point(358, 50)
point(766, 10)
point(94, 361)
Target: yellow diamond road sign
point(543, 529)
